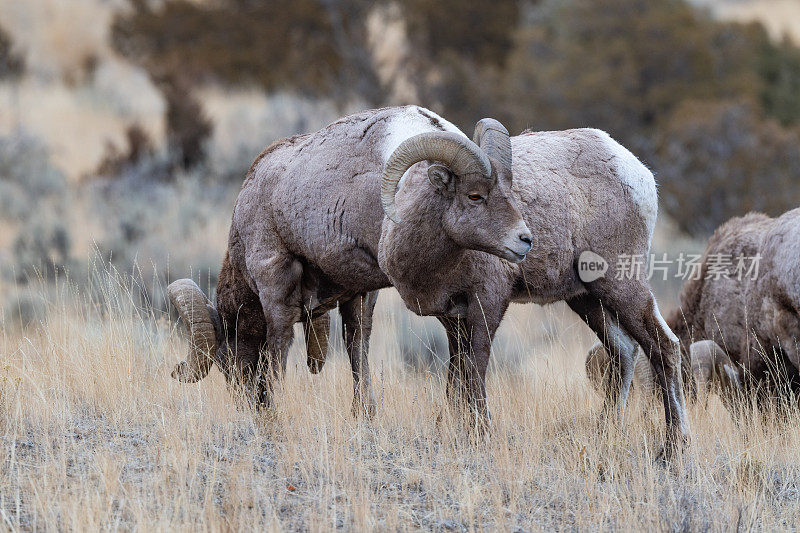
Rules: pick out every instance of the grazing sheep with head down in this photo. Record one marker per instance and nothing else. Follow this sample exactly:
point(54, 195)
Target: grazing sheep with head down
point(751, 319)
point(305, 237)
point(579, 191)
point(754, 316)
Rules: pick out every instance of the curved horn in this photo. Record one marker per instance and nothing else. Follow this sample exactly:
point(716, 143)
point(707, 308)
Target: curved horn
point(703, 356)
point(460, 154)
point(597, 362)
point(710, 363)
point(197, 313)
point(493, 138)
point(643, 372)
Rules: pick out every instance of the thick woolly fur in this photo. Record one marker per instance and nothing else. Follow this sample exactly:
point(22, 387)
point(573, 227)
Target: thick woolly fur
point(756, 321)
point(578, 190)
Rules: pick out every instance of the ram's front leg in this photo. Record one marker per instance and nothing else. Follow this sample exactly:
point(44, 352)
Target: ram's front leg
point(469, 348)
point(457, 344)
point(475, 362)
point(278, 282)
point(356, 329)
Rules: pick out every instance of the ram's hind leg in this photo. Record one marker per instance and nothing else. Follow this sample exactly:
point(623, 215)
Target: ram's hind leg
point(635, 307)
point(356, 329)
point(618, 344)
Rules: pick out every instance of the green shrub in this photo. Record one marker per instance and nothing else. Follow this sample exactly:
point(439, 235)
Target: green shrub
point(780, 69)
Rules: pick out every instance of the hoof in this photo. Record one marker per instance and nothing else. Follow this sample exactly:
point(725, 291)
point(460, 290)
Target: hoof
point(667, 460)
point(184, 374)
point(671, 453)
point(315, 365)
point(364, 408)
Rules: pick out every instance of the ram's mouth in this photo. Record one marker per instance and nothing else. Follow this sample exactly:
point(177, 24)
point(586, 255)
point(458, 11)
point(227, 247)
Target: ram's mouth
point(513, 256)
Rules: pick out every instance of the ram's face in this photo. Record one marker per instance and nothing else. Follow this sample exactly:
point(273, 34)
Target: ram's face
point(484, 215)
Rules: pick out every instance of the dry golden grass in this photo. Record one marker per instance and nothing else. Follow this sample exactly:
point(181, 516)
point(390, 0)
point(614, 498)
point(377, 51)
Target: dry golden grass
point(95, 435)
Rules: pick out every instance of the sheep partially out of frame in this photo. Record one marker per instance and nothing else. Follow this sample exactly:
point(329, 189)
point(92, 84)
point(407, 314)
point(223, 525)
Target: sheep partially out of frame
point(305, 238)
point(754, 315)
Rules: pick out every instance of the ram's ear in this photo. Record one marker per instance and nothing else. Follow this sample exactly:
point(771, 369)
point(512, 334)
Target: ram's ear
point(441, 177)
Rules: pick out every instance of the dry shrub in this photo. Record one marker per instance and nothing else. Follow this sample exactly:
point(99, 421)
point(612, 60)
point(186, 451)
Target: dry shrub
point(33, 195)
point(274, 44)
point(158, 230)
point(60, 40)
point(724, 159)
point(116, 161)
point(188, 129)
point(12, 64)
point(780, 17)
point(247, 120)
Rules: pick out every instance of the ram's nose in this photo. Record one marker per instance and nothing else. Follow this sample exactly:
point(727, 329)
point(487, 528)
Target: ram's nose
point(519, 243)
point(527, 240)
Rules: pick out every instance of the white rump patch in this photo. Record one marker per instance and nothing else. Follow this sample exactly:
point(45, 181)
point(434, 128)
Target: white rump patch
point(410, 122)
point(638, 179)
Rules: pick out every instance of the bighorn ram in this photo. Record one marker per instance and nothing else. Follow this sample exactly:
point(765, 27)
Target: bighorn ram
point(754, 314)
point(579, 191)
point(307, 230)
point(305, 237)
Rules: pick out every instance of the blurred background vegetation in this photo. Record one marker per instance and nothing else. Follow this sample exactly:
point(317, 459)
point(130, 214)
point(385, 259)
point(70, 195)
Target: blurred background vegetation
point(126, 126)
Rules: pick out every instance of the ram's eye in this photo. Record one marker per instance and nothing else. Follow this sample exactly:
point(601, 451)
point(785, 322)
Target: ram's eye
point(475, 197)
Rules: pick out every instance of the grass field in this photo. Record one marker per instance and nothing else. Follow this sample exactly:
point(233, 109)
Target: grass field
point(95, 435)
